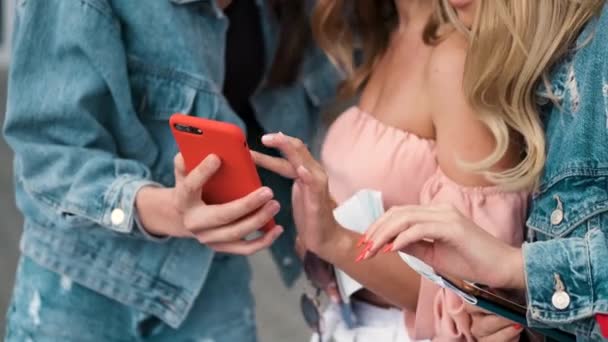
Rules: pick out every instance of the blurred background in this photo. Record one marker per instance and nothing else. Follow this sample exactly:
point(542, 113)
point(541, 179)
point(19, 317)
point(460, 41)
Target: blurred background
point(278, 312)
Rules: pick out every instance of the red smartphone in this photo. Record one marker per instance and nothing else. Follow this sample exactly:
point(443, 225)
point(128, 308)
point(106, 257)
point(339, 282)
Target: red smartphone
point(237, 177)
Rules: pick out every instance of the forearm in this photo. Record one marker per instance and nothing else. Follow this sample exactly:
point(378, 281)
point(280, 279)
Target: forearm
point(386, 275)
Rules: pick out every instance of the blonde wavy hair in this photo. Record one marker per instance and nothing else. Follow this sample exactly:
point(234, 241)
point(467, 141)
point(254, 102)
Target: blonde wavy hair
point(513, 46)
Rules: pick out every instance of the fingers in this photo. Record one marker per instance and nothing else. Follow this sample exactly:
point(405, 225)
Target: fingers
point(398, 221)
point(210, 216)
point(293, 149)
point(179, 166)
point(274, 164)
point(238, 230)
point(317, 182)
point(422, 249)
point(189, 187)
point(488, 324)
point(475, 310)
point(509, 334)
point(248, 247)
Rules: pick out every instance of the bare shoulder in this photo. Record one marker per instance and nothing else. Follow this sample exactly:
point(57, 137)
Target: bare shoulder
point(460, 135)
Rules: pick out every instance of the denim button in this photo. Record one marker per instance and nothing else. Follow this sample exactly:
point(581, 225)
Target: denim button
point(117, 217)
point(560, 300)
point(557, 216)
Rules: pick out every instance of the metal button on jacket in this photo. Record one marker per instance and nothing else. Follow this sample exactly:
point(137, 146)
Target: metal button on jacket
point(117, 217)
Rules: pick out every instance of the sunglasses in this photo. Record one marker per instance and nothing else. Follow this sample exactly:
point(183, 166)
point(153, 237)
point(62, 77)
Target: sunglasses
point(321, 276)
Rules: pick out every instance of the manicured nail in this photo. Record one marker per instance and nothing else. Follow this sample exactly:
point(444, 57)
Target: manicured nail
point(388, 248)
point(361, 242)
point(268, 137)
point(369, 246)
point(517, 326)
point(360, 257)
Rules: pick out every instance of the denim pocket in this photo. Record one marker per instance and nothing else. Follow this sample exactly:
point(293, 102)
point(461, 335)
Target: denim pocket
point(567, 203)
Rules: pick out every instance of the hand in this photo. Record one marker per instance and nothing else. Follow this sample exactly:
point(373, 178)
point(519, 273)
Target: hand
point(180, 212)
point(487, 327)
point(312, 203)
point(452, 244)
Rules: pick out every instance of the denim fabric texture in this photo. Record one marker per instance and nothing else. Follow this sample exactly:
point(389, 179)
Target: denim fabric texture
point(569, 212)
point(91, 88)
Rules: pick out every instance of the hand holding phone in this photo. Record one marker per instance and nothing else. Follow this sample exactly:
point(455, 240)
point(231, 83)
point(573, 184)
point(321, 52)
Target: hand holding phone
point(237, 176)
point(180, 212)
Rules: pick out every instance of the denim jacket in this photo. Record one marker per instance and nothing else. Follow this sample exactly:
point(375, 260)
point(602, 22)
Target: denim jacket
point(91, 89)
point(569, 212)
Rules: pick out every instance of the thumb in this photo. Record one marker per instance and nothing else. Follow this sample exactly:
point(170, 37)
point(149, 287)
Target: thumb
point(422, 250)
point(194, 182)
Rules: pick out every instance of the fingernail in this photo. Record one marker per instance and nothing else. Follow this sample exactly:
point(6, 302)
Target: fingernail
point(275, 207)
point(265, 193)
point(213, 160)
point(369, 246)
point(268, 137)
point(388, 248)
point(362, 241)
point(517, 326)
point(360, 257)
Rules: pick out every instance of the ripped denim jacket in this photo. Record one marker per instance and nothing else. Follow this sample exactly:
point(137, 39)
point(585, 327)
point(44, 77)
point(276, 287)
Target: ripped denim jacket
point(566, 261)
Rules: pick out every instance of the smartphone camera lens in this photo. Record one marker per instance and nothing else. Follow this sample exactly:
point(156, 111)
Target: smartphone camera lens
point(188, 129)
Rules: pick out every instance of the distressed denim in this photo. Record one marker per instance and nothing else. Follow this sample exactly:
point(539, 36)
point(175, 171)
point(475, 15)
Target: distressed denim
point(91, 88)
point(569, 213)
point(49, 307)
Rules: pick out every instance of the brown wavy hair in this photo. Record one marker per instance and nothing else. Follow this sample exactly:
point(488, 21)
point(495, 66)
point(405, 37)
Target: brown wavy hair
point(356, 33)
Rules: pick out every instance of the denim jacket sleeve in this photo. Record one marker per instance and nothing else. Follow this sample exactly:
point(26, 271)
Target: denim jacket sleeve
point(569, 212)
point(584, 262)
point(68, 101)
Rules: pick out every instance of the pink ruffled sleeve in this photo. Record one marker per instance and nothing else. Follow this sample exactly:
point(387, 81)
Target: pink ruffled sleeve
point(440, 314)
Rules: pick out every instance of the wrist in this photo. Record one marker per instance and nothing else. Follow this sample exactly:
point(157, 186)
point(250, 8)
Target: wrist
point(515, 276)
point(335, 241)
point(155, 212)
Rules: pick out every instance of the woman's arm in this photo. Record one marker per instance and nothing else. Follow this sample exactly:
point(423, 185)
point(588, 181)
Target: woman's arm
point(460, 138)
point(387, 276)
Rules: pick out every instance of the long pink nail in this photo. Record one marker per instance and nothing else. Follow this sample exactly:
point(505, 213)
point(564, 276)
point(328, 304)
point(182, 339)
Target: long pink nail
point(388, 248)
point(268, 138)
point(361, 242)
point(360, 257)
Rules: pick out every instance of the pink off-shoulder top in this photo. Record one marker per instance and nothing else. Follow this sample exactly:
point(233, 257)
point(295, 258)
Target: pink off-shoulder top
point(360, 152)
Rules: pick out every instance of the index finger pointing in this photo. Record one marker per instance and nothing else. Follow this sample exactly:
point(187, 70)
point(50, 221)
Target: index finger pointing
point(293, 149)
